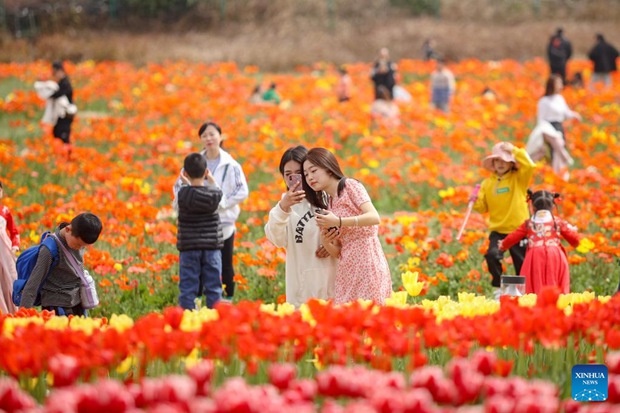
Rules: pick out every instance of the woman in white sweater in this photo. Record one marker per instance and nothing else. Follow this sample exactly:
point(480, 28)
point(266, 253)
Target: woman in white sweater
point(310, 270)
point(553, 108)
point(230, 178)
point(552, 111)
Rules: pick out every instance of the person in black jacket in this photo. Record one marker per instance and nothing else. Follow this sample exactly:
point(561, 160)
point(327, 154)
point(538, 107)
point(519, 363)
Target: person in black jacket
point(199, 238)
point(62, 128)
point(384, 73)
point(603, 56)
point(559, 51)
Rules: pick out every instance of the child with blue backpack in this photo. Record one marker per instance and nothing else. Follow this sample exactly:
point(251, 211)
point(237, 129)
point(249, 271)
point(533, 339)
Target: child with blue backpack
point(9, 245)
point(58, 275)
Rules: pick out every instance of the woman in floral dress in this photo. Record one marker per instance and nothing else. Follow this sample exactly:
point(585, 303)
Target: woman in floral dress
point(343, 205)
point(9, 245)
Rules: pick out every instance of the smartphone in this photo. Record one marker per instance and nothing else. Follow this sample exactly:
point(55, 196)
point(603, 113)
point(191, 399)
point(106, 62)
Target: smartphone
point(294, 179)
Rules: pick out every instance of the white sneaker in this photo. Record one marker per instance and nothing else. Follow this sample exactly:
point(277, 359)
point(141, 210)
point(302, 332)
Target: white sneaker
point(496, 294)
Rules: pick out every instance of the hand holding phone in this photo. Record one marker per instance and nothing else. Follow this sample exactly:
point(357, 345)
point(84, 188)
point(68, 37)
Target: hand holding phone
point(292, 180)
point(320, 211)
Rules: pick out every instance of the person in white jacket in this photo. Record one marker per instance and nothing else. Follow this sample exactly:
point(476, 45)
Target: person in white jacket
point(310, 269)
point(230, 178)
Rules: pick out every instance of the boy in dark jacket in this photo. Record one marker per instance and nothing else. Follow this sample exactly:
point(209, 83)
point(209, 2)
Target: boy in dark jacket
point(199, 238)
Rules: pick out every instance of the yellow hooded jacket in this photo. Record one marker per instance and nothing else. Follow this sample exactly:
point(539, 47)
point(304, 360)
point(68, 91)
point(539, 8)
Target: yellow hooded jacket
point(505, 197)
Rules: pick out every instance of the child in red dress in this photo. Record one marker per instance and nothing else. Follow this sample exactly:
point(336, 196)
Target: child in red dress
point(545, 261)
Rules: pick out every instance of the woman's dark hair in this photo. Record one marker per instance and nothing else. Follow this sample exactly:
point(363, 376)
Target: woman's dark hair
point(297, 154)
point(324, 159)
point(550, 86)
point(542, 200)
point(384, 93)
point(58, 66)
point(0, 184)
point(205, 125)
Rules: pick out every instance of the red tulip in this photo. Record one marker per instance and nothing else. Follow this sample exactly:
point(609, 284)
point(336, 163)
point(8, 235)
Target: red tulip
point(173, 316)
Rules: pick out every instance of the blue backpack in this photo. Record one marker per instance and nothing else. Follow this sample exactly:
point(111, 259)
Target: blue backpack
point(25, 264)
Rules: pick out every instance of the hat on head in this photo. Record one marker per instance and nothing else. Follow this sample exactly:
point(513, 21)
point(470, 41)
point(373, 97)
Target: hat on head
point(498, 153)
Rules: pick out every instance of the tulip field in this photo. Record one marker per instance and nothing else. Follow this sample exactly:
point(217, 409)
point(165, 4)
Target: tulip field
point(441, 344)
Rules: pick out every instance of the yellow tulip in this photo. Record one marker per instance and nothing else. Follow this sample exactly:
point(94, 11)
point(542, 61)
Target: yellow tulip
point(410, 281)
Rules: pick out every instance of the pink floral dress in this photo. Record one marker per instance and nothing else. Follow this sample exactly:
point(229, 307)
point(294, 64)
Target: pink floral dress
point(9, 237)
point(363, 271)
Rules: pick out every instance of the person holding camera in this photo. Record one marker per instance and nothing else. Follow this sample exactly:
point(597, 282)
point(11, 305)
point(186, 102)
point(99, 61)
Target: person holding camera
point(310, 269)
point(345, 207)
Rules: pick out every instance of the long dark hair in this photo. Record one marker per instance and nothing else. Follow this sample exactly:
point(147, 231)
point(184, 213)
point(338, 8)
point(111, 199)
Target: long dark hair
point(323, 159)
point(297, 154)
point(217, 127)
point(550, 86)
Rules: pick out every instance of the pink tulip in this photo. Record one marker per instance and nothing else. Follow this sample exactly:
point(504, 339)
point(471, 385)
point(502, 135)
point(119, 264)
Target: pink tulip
point(12, 398)
point(65, 369)
point(202, 374)
point(281, 375)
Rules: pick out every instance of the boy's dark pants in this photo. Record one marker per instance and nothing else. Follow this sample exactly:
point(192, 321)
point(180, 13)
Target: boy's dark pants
point(494, 257)
point(199, 273)
point(77, 310)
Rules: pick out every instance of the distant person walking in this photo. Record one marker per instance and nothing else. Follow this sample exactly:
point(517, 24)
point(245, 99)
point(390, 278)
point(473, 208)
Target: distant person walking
point(443, 86)
point(559, 51)
point(384, 73)
point(59, 108)
point(428, 49)
point(603, 55)
point(343, 87)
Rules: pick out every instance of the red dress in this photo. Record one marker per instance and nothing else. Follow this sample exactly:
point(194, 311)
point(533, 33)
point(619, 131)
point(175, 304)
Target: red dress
point(545, 261)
